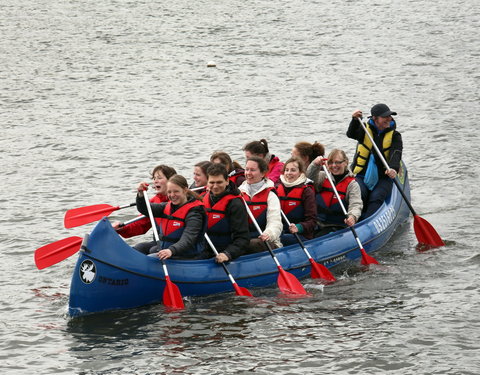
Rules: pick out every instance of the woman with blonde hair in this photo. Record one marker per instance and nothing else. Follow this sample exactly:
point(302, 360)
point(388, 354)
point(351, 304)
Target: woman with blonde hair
point(329, 212)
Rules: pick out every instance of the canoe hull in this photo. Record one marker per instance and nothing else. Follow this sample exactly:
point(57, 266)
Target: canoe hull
point(111, 275)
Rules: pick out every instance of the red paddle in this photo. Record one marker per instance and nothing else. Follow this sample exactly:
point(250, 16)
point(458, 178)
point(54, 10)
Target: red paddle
point(88, 214)
point(424, 231)
point(287, 282)
point(318, 271)
point(171, 294)
point(240, 291)
point(55, 252)
point(366, 259)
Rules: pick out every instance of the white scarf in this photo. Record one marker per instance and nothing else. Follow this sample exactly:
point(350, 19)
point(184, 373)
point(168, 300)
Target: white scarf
point(300, 180)
point(253, 189)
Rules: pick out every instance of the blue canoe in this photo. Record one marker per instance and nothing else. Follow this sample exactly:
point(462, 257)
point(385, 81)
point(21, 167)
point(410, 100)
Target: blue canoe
point(110, 275)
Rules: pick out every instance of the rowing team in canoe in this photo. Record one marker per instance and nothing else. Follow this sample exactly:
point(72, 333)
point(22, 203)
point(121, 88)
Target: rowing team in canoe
point(240, 209)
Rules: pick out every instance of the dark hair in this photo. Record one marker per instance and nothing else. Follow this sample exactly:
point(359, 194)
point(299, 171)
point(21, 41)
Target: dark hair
point(301, 164)
point(181, 181)
point(224, 158)
point(203, 165)
point(217, 169)
point(165, 169)
point(310, 151)
point(257, 147)
point(262, 164)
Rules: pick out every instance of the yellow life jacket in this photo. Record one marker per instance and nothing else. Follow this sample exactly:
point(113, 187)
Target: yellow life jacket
point(363, 149)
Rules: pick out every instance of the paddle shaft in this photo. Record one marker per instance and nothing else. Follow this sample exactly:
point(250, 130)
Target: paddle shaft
point(216, 253)
point(254, 221)
point(287, 282)
point(385, 164)
point(155, 231)
point(367, 259)
point(296, 235)
point(260, 232)
point(318, 271)
point(132, 221)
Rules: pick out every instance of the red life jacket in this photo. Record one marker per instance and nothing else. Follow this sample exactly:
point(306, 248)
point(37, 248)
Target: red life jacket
point(219, 229)
point(172, 225)
point(258, 206)
point(328, 208)
point(234, 177)
point(292, 202)
point(158, 198)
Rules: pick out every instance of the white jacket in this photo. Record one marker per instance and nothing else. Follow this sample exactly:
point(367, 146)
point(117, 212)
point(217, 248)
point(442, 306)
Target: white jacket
point(274, 225)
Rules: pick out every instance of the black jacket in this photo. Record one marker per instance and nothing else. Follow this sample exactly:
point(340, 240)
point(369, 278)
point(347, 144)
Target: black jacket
point(237, 216)
point(195, 225)
point(355, 131)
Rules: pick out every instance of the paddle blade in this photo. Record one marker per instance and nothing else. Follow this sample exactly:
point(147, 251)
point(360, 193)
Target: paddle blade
point(319, 271)
point(88, 214)
point(367, 259)
point(171, 295)
point(425, 233)
point(240, 291)
point(55, 252)
point(289, 284)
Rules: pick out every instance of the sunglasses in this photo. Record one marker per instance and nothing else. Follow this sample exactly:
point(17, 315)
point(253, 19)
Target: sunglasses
point(330, 162)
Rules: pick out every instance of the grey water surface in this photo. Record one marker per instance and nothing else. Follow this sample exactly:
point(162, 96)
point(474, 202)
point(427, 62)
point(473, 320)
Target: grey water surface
point(93, 94)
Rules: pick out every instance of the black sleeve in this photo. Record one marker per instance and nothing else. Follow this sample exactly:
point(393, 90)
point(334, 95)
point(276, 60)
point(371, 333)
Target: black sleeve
point(238, 217)
point(157, 208)
point(194, 226)
point(396, 151)
point(355, 131)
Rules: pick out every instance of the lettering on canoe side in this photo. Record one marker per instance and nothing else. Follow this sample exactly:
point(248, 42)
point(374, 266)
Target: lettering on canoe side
point(109, 281)
point(334, 260)
point(383, 221)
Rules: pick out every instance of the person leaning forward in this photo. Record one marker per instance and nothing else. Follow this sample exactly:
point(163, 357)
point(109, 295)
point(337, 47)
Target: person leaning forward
point(375, 181)
point(227, 216)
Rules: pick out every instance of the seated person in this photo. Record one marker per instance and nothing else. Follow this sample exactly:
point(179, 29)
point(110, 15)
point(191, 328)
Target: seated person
point(200, 177)
point(236, 173)
point(160, 175)
point(182, 220)
point(260, 149)
point(297, 199)
point(227, 216)
point(258, 192)
point(306, 151)
point(329, 212)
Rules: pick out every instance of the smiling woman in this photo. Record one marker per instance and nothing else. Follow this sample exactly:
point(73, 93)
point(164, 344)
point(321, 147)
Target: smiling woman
point(297, 198)
point(160, 175)
point(257, 190)
point(182, 220)
point(329, 213)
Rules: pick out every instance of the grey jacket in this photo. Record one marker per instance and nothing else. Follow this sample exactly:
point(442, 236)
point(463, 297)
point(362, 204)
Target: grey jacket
point(353, 196)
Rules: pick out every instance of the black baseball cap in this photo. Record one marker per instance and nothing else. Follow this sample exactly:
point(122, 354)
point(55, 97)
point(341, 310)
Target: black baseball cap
point(382, 110)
